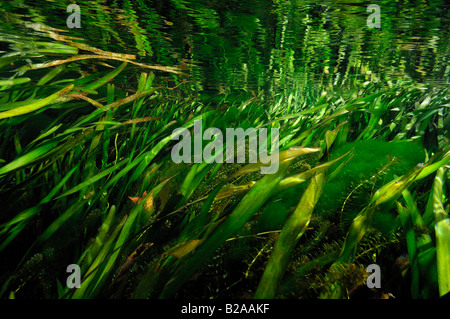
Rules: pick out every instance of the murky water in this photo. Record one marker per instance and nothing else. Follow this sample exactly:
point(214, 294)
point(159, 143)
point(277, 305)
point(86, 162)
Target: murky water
point(256, 45)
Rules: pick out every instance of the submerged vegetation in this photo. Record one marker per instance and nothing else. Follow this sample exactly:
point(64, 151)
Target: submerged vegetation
point(86, 178)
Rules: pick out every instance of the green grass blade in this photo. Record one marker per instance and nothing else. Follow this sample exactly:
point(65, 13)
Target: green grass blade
point(291, 232)
point(107, 78)
point(91, 279)
point(442, 230)
point(15, 81)
point(251, 202)
point(28, 158)
point(411, 243)
point(36, 105)
point(93, 179)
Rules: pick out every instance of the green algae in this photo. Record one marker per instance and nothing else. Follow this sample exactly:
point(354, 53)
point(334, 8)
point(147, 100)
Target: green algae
point(373, 163)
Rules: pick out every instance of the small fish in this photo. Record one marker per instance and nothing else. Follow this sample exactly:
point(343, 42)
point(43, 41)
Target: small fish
point(402, 261)
point(148, 200)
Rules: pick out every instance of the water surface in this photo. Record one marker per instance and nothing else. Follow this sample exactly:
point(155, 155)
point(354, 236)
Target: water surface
point(257, 46)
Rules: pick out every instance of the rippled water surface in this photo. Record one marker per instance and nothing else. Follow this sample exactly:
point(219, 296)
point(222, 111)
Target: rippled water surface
point(256, 45)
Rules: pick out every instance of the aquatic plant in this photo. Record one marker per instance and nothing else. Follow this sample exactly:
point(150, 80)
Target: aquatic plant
point(91, 182)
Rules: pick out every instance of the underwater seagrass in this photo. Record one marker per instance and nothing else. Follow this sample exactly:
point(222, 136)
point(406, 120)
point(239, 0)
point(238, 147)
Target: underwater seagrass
point(371, 164)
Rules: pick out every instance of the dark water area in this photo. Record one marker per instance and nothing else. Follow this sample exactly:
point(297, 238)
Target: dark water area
point(257, 46)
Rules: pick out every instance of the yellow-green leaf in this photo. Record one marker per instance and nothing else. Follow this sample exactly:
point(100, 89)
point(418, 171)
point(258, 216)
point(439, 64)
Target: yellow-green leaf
point(36, 105)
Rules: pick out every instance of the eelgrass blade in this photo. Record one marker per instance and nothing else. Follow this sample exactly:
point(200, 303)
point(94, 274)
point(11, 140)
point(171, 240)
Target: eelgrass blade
point(29, 213)
point(106, 79)
point(130, 98)
point(91, 279)
point(36, 105)
point(293, 229)
point(29, 157)
point(92, 251)
point(81, 57)
point(16, 81)
point(421, 249)
point(284, 155)
point(411, 244)
point(299, 178)
point(126, 230)
point(386, 195)
point(251, 202)
point(94, 178)
point(442, 231)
